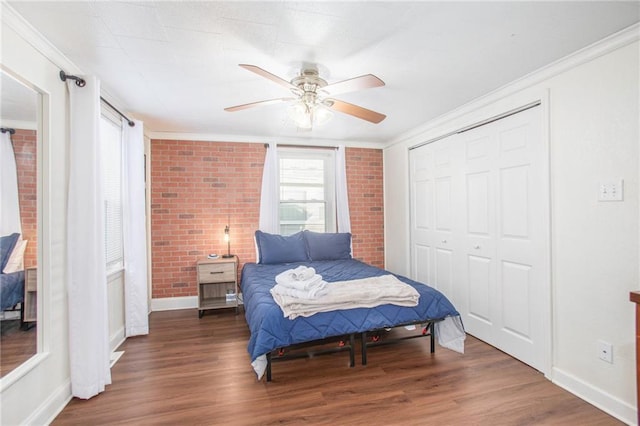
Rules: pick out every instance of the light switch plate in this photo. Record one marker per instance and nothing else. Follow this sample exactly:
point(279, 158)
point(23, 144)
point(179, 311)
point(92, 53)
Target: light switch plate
point(611, 190)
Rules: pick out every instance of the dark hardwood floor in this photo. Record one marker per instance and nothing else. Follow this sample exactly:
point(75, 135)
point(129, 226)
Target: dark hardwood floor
point(191, 371)
point(17, 344)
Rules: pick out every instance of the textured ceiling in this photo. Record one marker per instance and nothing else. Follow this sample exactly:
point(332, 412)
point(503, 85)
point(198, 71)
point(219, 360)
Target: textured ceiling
point(175, 64)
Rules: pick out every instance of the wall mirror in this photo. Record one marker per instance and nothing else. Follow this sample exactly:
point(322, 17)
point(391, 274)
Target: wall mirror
point(20, 108)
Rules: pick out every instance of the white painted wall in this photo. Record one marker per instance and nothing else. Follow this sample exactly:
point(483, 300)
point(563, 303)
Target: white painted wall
point(38, 390)
point(593, 128)
point(396, 209)
point(594, 136)
point(44, 386)
point(115, 303)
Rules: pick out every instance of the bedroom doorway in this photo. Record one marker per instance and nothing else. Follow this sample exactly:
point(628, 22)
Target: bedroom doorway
point(480, 230)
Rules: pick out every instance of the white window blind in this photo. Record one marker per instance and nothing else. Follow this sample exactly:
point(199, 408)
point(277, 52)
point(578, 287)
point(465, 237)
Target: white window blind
point(307, 190)
point(111, 150)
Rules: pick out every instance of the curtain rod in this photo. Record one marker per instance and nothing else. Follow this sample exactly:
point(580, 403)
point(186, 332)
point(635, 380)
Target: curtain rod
point(266, 145)
point(81, 83)
point(7, 129)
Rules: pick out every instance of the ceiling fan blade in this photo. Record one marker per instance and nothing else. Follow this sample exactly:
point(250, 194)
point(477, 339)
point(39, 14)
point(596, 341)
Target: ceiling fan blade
point(259, 103)
point(268, 75)
point(357, 83)
point(355, 110)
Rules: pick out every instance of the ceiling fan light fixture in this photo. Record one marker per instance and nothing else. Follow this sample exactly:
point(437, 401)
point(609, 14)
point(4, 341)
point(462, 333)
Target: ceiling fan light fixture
point(300, 115)
point(311, 108)
point(321, 115)
point(306, 116)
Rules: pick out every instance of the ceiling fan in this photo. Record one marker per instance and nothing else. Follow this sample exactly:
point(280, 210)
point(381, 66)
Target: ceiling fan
point(313, 99)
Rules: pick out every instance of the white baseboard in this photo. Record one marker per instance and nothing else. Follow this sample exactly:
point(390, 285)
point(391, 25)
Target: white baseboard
point(115, 356)
point(172, 303)
point(52, 406)
point(116, 339)
point(596, 397)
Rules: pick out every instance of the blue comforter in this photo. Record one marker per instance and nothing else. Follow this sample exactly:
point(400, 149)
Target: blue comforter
point(271, 330)
point(11, 289)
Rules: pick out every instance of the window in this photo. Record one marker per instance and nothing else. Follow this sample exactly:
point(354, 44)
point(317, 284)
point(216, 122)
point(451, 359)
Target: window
point(307, 190)
point(111, 156)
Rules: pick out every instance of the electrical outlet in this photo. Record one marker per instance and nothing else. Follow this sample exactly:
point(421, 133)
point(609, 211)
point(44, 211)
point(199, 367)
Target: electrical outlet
point(605, 351)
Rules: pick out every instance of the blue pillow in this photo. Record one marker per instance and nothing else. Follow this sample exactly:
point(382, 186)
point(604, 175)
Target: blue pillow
point(274, 248)
point(328, 246)
point(7, 243)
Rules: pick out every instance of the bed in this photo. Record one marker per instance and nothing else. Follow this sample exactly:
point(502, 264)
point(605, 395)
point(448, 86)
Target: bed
point(11, 290)
point(330, 256)
point(11, 280)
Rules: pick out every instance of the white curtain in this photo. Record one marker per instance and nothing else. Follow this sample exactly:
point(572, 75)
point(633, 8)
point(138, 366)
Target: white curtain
point(86, 262)
point(134, 231)
point(269, 196)
point(342, 197)
point(9, 199)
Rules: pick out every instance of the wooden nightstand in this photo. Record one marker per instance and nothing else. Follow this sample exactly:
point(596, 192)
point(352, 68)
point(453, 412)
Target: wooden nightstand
point(30, 295)
point(217, 284)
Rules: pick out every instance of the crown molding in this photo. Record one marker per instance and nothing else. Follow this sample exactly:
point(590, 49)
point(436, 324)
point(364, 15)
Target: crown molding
point(213, 137)
point(14, 20)
point(20, 124)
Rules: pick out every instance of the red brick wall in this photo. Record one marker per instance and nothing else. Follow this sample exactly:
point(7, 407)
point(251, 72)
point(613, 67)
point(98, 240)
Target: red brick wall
point(25, 149)
point(365, 188)
point(196, 186)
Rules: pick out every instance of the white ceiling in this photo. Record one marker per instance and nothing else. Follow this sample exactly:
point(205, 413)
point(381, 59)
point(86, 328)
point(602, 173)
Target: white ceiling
point(175, 64)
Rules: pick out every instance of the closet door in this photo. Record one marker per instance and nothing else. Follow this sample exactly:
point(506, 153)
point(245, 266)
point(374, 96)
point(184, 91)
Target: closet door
point(422, 212)
point(522, 217)
point(478, 269)
point(495, 259)
point(435, 185)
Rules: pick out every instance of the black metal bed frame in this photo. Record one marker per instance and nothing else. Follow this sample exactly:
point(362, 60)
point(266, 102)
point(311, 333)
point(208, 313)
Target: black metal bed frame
point(427, 331)
point(280, 354)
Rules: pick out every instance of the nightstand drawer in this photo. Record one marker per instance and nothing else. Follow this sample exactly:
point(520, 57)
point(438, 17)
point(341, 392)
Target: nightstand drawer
point(216, 272)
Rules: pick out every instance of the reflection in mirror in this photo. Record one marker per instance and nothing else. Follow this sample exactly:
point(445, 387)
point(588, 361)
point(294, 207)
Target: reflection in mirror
point(18, 223)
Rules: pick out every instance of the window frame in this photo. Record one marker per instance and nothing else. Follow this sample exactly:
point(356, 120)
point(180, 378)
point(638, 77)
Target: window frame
point(328, 156)
point(117, 264)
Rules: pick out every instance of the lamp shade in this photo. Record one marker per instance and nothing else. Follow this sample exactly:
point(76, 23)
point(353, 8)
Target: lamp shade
point(300, 115)
point(321, 115)
point(305, 116)
point(227, 239)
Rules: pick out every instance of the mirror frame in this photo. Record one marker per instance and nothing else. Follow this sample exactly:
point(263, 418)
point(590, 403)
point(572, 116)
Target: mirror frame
point(43, 219)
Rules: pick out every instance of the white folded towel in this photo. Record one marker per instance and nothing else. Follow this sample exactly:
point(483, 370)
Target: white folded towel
point(359, 293)
point(313, 292)
point(301, 273)
point(301, 285)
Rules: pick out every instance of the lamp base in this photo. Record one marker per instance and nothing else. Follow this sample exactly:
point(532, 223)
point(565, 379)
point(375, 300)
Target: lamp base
point(227, 256)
